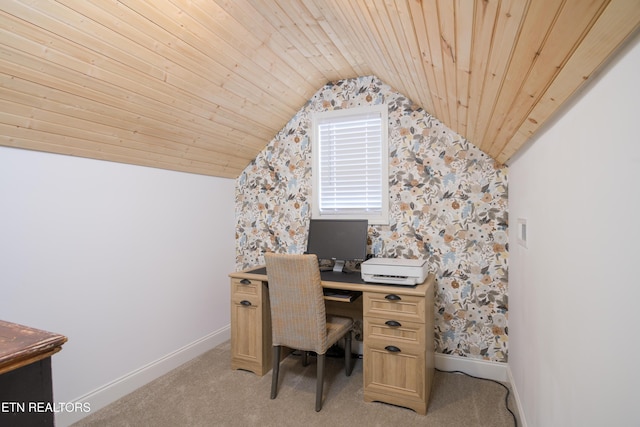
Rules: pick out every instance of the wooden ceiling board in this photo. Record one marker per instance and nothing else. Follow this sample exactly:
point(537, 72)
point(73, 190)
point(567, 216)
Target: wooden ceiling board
point(485, 16)
point(596, 47)
point(202, 86)
point(505, 35)
point(464, 11)
point(435, 57)
point(537, 63)
point(325, 17)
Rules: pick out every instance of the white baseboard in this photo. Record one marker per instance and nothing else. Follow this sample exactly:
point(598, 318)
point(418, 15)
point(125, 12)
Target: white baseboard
point(516, 397)
point(124, 385)
point(478, 368)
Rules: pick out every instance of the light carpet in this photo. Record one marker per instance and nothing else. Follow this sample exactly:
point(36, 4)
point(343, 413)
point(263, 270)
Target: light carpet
point(207, 392)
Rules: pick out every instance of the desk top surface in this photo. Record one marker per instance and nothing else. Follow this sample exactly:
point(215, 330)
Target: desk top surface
point(21, 344)
point(346, 281)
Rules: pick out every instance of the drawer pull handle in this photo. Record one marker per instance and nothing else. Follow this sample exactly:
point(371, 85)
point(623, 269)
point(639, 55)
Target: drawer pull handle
point(392, 297)
point(392, 348)
point(245, 281)
point(392, 323)
point(245, 303)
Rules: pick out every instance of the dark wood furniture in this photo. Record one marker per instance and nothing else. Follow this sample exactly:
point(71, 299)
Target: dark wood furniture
point(26, 392)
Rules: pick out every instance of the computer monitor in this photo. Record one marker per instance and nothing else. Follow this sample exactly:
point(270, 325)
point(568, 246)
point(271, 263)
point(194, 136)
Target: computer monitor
point(338, 239)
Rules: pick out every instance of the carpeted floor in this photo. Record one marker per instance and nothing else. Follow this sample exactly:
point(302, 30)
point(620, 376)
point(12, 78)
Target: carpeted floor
point(206, 392)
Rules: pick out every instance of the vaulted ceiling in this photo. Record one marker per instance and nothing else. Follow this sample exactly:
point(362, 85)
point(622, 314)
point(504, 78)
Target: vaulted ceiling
point(203, 85)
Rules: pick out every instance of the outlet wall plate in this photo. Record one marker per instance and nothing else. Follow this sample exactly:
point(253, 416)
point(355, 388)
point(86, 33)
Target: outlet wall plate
point(522, 232)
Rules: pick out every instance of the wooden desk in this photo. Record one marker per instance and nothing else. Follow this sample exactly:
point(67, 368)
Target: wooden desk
point(398, 329)
point(25, 374)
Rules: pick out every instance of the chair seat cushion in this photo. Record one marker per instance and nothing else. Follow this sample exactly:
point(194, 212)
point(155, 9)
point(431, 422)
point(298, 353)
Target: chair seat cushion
point(337, 326)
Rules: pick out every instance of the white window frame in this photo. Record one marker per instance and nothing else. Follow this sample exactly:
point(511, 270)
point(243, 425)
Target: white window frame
point(378, 216)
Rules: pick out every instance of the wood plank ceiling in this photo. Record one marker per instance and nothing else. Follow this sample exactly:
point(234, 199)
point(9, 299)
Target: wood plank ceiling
point(202, 86)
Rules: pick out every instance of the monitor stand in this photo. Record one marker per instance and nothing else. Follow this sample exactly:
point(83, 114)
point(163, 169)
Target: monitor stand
point(338, 266)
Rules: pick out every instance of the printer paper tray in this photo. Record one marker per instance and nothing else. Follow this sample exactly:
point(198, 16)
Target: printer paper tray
point(389, 280)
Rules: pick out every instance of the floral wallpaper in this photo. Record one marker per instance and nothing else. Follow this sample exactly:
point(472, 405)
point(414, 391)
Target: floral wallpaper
point(448, 205)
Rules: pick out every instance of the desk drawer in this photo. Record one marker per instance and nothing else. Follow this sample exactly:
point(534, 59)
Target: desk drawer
point(408, 336)
point(395, 377)
point(394, 306)
point(246, 300)
point(246, 287)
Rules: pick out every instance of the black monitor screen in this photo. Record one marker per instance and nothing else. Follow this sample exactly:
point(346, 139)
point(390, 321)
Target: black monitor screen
point(340, 240)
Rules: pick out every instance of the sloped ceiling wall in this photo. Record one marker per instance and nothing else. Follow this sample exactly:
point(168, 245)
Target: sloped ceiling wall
point(202, 86)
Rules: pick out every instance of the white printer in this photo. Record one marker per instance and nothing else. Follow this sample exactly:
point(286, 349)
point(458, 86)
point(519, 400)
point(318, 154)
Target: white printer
point(394, 271)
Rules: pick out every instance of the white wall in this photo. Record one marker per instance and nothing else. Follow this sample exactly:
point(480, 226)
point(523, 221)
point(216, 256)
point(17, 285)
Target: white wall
point(130, 263)
point(574, 291)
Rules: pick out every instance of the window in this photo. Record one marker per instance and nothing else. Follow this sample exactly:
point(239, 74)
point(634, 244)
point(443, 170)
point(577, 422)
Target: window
point(350, 164)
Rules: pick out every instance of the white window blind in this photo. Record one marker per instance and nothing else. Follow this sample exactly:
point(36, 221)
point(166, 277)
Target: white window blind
point(350, 164)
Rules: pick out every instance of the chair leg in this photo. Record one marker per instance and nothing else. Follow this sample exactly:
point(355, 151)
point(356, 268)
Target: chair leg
point(275, 371)
point(305, 358)
point(348, 364)
point(319, 381)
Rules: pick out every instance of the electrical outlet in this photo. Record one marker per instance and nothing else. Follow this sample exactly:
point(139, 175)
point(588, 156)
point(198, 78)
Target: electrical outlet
point(357, 330)
point(522, 232)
